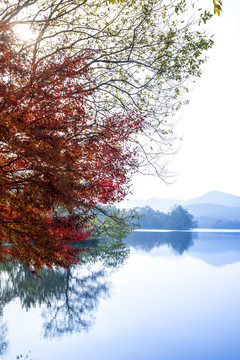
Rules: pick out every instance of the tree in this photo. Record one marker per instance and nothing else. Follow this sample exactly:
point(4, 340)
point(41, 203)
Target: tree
point(83, 105)
point(54, 154)
point(151, 219)
point(143, 56)
point(180, 219)
point(111, 223)
point(217, 6)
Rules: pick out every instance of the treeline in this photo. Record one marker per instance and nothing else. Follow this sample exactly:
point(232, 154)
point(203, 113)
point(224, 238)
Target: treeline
point(177, 219)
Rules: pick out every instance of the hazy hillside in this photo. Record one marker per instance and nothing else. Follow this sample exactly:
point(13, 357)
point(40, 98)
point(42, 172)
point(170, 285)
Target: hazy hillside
point(155, 203)
point(214, 211)
point(217, 198)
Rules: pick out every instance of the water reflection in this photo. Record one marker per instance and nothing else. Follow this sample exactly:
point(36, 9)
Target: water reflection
point(3, 333)
point(70, 297)
point(162, 307)
point(73, 312)
point(178, 241)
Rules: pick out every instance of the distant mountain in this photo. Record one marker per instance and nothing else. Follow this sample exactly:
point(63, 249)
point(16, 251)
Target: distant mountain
point(216, 210)
point(212, 197)
point(217, 198)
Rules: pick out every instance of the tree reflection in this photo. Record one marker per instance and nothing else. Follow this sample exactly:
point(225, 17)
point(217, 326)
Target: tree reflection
point(3, 333)
point(69, 298)
point(74, 312)
point(178, 241)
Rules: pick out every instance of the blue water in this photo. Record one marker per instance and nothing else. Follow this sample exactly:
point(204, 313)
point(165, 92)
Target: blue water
point(162, 295)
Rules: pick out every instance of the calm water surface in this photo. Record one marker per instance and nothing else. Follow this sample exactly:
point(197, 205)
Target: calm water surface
point(161, 295)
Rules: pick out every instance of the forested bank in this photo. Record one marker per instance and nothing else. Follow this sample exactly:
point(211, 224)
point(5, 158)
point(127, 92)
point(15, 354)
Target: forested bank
point(177, 219)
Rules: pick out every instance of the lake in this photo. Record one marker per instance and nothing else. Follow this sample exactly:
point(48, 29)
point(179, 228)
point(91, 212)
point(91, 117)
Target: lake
point(159, 295)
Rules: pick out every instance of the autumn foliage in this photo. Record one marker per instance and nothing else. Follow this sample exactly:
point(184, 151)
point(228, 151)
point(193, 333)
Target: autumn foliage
point(55, 154)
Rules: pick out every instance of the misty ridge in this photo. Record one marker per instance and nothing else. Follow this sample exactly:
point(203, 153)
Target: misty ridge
point(215, 209)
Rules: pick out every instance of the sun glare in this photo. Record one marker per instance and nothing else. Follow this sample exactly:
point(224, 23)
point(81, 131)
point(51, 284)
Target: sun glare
point(24, 31)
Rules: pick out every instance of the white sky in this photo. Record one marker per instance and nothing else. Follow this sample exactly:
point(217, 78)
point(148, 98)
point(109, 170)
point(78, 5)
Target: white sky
point(209, 155)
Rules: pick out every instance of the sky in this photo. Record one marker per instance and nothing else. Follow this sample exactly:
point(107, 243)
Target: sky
point(209, 157)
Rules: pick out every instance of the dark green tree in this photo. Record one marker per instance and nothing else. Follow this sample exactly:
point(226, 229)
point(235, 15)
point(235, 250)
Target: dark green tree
point(177, 219)
point(180, 219)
